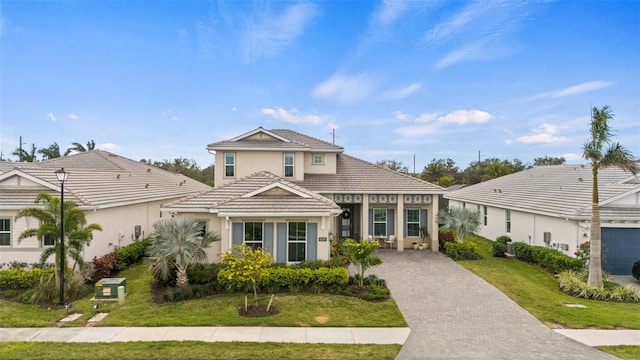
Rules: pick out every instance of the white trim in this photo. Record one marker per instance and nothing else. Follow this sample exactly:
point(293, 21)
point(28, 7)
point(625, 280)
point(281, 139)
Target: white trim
point(619, 196)
point(259, 130)
point(16, 172)
point(278, 185)
point(272, 214)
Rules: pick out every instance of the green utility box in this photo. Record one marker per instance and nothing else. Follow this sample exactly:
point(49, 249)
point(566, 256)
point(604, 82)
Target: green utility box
point(107, 288)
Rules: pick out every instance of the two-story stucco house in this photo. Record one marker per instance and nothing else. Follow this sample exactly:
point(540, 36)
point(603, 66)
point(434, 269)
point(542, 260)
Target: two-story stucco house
point(551, 206)
point(293, 194)
point(122, 195)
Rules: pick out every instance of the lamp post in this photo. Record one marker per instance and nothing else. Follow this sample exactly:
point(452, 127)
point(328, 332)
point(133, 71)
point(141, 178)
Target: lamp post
point(62, 177)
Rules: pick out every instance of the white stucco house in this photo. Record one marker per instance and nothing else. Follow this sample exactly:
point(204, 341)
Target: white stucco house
point(293, 194)
point(122, 195)
point(551, 206)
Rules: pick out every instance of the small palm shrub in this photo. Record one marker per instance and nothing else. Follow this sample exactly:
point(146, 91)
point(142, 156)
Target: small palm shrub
point(574, 283)
point(462, 251)
point(635, 270)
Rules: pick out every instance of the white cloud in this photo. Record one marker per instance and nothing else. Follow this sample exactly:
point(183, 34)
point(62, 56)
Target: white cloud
point(345, 88)
point(401, 116)
point(292, 116)
point(109, 147)
point(544, 134)
point(402, 92)
point(462, 117)
point(270, 34)
point(417, 130)
point(573, 90)
point(389, 12)
point(446, 29)
point(73, 116)
point(426, 117)
point(572, 157)
point(51, 117)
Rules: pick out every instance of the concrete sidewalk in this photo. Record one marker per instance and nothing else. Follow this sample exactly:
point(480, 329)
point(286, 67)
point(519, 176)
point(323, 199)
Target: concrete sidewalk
point(317, 335)
point(593, 337)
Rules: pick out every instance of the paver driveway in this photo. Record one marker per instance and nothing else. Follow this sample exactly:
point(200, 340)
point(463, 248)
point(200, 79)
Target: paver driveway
point(454, 314)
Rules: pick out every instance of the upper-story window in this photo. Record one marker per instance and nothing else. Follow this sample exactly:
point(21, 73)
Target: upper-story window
point(288, 165)
point(318, 159)
point(229, 164)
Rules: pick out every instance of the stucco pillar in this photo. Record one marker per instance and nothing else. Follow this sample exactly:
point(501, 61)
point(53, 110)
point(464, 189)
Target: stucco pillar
point(435, 242)
point(364, 219)
point(400, 224)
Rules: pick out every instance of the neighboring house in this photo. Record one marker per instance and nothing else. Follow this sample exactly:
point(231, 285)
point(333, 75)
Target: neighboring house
point(122, 195)
point(551, 206)
point(293, 195)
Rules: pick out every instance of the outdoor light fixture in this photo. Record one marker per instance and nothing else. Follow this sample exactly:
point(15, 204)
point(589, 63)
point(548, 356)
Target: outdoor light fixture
point(62, 177)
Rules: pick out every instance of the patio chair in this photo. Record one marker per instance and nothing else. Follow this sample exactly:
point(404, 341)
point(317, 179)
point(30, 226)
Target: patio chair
point(390, 240)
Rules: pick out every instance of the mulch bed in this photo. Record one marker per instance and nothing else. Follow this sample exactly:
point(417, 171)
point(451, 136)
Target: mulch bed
point(257, 310)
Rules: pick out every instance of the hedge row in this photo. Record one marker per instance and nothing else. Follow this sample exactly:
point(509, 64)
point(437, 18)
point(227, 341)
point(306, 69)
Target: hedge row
point(462, 251)
point(22, 279)
point(549, 259)
point(293, 279)
point(118, 260)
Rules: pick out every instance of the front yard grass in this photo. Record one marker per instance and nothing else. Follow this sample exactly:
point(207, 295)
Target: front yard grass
point(219, 310)
point(537, 291)
point(624, 352)
point(194, 350)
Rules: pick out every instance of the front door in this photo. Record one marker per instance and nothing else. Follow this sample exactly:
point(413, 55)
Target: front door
point(346, 223)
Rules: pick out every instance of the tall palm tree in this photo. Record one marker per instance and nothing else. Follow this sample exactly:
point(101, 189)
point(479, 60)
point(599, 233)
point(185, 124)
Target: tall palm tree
point(613, 156)
point(23, 155)
point(461, 220)
point(77, 233)
point(495, 169)
point(77, 147)
point(51, 152)
point(178, 242)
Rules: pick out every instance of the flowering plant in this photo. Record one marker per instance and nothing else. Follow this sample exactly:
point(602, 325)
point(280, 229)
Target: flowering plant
point(583, 253)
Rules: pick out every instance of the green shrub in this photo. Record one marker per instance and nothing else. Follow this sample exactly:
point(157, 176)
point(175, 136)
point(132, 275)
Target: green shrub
point(554, 261)
point(462, 251)
point(499, 249)
point(374, 292)
point(296, 279)
point(8, 293)
point(203, 273)
point(22, 279)
point(132, 253)
point(503, 239)
point(522, 252)
point(574, 283)
point(635, 270)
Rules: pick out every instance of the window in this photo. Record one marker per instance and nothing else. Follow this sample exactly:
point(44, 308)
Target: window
point(203, 227)
point(318, 159)
point(486, 215)
point(253, 235)
point(48, 241)
point(5, 232)
point(413, 222)
point(379, 222)
point(508, 221)
point(464, 205)
point(229, 164)
point(288, 165)
point(297, 241)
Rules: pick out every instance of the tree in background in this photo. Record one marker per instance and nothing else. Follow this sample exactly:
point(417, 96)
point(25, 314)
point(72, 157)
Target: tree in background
point(461, 220)
point(613, 156)
point(479, 171)
point(546, 161)
point(51, 152)
point(441, 172)
point(25, 156)
point(77, 147)
point(394, 165)
point(186, 167)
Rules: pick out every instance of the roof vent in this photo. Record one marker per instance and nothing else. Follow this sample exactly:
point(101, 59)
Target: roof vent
point(118, 176)
point(146, 186)
point(580, 179)
point(148, 169)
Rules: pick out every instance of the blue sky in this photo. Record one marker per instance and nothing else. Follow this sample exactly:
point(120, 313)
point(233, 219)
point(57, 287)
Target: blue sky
point(438, 79)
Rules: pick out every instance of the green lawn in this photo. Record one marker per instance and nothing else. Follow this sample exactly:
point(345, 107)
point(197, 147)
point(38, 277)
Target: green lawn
point(537, 292)
point(219, 310)
point(623, 352)
point(194, 350)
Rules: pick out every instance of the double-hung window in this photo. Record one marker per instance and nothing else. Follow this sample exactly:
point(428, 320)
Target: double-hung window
point(288, 165)
point(253, 235)
point(485, 215)
point(229, 164)
point(413, 222)
point(508, 221)
point(379, 222)
point(48, 241)
point(5, 232)
point(297, 241)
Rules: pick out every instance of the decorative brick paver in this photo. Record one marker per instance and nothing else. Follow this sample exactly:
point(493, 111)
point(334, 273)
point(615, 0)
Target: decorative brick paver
point(454, 314)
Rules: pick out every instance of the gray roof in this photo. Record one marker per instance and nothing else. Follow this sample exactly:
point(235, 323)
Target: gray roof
point(262, 194)
point(280, 140)
point(97, 179)
point(358, 176)
point(562, 191)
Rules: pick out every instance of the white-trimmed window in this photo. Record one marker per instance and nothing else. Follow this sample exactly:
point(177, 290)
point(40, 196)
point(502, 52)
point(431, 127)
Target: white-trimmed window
point(379, 222)
point(229, 164)
point(5, 232)
point(318, 159)
point(253, 235)
point(289, 165)
point(508, 224)
point(413, 222)
point(297, 242)
point(485, 213)
point(203, 227)
point(48, 241)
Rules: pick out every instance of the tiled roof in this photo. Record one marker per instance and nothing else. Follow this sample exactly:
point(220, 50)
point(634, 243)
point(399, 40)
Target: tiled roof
point(231, 198)
point(562, 191)
point(101, 179)
point(296, 141)
point(359, 176)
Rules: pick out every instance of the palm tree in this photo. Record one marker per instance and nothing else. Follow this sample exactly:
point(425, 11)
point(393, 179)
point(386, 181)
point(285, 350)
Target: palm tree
point(77, 233)
point(615, 155)
point(495, 169)
point(461, 220)
point(178, 242)
point(77, 147)
point(51, 152)
point(25, 156)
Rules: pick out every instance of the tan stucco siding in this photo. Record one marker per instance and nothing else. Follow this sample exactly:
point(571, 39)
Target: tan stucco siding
point(328, 167)
point(250, 162)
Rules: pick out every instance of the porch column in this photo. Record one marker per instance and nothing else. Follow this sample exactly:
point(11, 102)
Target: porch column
point(435, 242)
point(400, 224)
point(364, 219)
